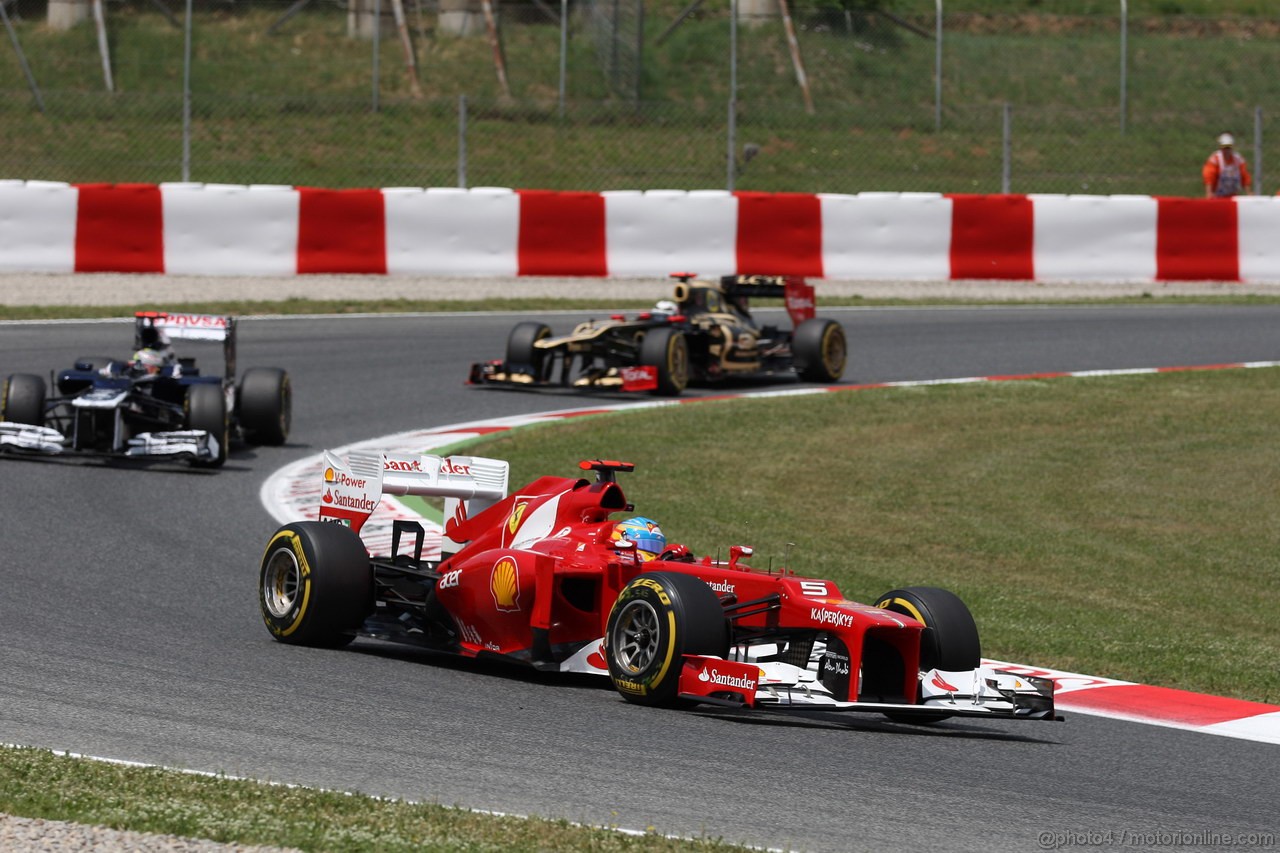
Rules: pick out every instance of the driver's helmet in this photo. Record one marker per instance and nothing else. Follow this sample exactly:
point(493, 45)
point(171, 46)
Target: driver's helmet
point(645, 532)
point(666, 306)
point(150, 361)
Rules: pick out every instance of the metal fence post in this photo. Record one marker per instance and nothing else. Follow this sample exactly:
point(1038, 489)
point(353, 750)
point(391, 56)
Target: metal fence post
point(186, 96)
point(377, 48)
point(937, 68)
point(1257, 150)
point(22, 58)
point(1124, 66)
point(1007, 135)
point(564, 46)
point(462, 142)
point(731, 129)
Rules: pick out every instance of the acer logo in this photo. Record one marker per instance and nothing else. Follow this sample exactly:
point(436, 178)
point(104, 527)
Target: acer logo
point(402, 465)
point(448, 466)
point(834, 618)
point(449, 580)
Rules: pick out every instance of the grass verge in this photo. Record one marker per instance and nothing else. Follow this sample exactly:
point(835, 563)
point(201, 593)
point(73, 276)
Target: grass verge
point(38, 783)
point(1122, 526)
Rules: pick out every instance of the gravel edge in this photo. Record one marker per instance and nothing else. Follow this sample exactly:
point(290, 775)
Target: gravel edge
point(35, 835)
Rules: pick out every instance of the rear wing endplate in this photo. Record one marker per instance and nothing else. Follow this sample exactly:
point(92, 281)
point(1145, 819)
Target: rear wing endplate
point(794, 290)
point(353, 488)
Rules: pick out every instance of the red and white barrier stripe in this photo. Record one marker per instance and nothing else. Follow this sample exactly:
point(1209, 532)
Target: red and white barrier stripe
point(278, 230)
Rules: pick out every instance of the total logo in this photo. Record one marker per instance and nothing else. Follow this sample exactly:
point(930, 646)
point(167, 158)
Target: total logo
point(834, 618)
point(714, 676)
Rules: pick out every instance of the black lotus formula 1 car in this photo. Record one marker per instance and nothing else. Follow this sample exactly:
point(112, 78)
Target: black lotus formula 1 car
point(703, 335)
point(153, 405)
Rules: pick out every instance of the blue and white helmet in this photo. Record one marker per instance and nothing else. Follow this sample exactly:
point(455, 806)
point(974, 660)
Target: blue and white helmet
point(645, 532)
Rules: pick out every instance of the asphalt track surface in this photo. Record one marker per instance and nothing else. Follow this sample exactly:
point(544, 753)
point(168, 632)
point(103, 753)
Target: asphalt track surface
point(130, 630)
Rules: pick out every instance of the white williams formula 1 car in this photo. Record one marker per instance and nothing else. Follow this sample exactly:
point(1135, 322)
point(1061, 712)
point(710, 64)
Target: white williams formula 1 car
point(152, 405)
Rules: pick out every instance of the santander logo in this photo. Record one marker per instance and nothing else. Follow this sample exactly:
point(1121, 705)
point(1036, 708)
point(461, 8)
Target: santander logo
point(937, 682)
point(714, 676)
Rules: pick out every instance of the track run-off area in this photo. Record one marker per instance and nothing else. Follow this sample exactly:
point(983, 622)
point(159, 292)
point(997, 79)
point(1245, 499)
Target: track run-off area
point(132, 629)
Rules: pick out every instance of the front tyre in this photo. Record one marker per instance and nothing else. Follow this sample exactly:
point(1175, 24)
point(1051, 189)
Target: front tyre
point(657, 619)
point(820, 350)
point(265, 403)
point(206, 409)
point(523, 356)
point(23, 400)
point(315, 586)
point(666, 350)
point(950, 642)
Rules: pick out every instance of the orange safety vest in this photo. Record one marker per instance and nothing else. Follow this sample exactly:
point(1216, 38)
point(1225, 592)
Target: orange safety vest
point(1226, 177)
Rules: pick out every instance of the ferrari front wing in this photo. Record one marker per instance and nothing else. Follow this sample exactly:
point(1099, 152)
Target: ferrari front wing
point(782, 687)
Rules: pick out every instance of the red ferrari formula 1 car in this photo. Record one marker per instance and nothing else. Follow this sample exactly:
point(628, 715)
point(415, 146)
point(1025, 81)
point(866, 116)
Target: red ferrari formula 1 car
point(545, 577)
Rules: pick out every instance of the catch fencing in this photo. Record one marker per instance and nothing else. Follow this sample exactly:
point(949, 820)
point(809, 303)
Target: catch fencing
point(613, 94)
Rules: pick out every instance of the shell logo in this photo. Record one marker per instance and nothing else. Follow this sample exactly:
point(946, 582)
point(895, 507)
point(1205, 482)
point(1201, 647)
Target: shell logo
point(328, 475)
point(517, 515)
point(504, 583)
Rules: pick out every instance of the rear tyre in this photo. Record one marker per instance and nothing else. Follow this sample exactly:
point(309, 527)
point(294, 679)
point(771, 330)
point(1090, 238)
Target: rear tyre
point(667, 350)
point(657, 619)
point(23, 399)
point(265, 403)
point(315, 587)
point(523, 356)
point(820, 350)
point(951, 642)
point(206, 409)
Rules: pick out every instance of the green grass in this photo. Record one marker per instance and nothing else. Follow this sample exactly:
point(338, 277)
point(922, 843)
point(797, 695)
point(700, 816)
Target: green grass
point(1122, 527)
point(37, 783)
point(295, 108)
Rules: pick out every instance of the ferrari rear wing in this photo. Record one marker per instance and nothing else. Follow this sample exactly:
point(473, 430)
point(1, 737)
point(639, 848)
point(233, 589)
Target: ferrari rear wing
point(353, 489)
